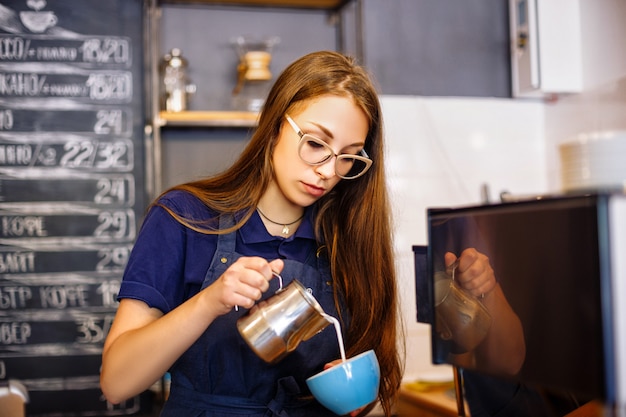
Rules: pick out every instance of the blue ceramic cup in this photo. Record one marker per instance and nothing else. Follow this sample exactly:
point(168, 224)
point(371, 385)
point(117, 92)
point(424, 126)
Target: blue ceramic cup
point(348, 386)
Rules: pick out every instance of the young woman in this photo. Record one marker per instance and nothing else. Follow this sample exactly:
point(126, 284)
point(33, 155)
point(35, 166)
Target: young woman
point(306, 199)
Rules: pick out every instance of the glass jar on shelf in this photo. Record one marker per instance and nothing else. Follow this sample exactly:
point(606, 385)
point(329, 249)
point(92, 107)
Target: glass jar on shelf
point(254, 77)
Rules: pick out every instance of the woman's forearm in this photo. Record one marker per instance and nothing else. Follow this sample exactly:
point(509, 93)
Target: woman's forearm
point(143, 347)
point(504, 349)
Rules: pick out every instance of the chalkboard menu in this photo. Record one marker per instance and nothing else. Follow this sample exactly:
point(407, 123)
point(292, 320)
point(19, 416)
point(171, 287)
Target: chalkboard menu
point(71, 191)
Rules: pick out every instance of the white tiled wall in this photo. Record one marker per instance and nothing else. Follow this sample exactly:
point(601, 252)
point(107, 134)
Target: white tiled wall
point(602, 105)
point(600, 109)
point(440, 152)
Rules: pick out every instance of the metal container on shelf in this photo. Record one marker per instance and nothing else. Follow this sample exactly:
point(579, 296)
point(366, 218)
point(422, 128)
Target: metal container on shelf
point(175, 85)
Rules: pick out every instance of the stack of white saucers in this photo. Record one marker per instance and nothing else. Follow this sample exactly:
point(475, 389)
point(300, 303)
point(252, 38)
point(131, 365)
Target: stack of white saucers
point(594, 161)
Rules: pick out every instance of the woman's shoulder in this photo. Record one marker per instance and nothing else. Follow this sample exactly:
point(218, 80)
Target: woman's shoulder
point(185, 204)
point(176, 196)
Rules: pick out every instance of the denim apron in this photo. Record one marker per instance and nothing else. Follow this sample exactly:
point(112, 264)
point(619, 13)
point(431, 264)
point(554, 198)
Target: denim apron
point(220, 376)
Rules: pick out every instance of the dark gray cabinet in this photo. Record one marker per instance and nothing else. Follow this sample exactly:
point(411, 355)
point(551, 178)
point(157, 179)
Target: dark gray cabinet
point(432, 48)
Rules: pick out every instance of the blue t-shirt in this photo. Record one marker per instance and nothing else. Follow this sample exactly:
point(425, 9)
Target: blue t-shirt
point(169, 261)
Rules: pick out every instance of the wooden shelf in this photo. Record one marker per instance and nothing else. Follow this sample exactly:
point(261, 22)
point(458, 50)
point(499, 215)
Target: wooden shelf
point(305, 4)
point(438, 401)
point(208, 118)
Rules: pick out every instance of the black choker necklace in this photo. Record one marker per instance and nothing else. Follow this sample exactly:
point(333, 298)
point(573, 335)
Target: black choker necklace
point(284, 225)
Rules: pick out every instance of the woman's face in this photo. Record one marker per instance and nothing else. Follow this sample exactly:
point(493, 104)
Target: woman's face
point(333, 119)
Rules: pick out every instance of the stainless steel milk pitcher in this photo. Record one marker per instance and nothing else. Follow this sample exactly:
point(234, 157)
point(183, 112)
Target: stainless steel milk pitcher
point(274, 327)
point(459, 316)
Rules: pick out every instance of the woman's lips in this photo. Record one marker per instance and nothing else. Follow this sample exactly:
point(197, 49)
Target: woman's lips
point(313, 190)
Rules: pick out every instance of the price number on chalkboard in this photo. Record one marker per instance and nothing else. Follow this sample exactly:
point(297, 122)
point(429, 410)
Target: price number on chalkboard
point(115, 224)
point(112, 259)
point(96, 154)
point(106, 50)
point(93, 329)
point(109, 290)
point(108, 122)
point(110, 190)
point(110, 86)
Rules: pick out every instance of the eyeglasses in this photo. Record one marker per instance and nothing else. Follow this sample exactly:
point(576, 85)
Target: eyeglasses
point(315, 151)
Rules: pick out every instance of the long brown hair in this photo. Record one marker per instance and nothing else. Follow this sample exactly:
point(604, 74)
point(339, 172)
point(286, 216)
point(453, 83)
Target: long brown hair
point(353, 221)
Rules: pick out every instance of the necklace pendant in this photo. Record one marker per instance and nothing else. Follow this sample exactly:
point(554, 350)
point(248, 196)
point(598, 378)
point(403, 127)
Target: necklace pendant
point(285, 229)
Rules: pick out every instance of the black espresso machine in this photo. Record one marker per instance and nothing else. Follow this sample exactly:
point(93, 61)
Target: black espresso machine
point(561, 264)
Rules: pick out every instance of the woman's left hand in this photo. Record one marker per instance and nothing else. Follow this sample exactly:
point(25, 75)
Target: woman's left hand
point(473, 272)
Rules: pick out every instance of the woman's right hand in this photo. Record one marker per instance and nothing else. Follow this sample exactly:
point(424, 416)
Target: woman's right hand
point(243, 283)
point(130, 362)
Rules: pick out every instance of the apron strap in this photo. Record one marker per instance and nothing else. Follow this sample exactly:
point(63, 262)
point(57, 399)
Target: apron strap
point(222, 258)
